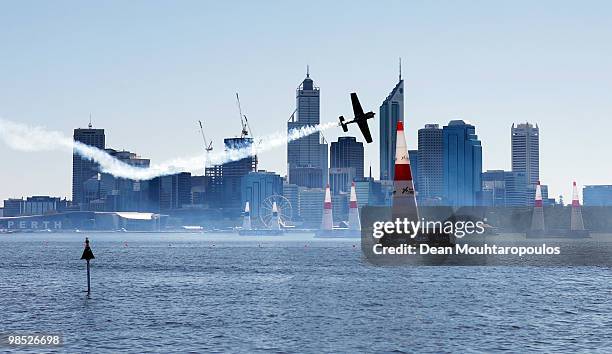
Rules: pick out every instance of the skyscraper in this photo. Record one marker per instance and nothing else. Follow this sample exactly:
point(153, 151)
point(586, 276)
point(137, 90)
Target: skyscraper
point(430, 177)
point(170, 192)
point(347, 152)
point(462, 163)
point(391, 111)
point(83, 169)
point(122, 194)
point(413, 157)
point(526, 151)
point(307, 158)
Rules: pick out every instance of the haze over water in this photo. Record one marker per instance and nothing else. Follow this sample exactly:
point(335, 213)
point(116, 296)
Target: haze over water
point(214, 292)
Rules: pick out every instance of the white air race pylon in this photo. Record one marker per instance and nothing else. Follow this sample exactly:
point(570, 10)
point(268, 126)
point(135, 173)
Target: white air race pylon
point(537, 220)
point(353, 221)
point(327, 222)
point(275, 223)
point(246, 221)
point(577, 224)
point(404, 195)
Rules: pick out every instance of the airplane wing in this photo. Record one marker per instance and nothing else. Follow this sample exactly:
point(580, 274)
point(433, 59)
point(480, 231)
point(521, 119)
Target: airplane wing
point(365, 130)
point(356, 105)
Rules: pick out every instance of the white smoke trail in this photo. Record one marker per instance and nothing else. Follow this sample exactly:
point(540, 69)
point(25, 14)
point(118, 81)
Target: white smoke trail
point(27, 138)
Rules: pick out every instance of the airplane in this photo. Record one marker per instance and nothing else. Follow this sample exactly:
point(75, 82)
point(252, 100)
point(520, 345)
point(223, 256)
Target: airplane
point(360, 118)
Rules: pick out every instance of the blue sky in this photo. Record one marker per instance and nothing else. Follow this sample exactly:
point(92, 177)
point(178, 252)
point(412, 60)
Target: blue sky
point(148, 70)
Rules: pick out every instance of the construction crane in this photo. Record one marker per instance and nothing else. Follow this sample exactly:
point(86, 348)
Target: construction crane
point(208, 147)
point(246, 129)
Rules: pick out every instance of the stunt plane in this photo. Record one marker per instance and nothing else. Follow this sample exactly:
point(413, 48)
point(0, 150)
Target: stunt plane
point(360, 118)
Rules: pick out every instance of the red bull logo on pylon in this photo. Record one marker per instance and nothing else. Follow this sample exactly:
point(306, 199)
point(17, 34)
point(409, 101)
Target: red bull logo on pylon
point(404, 194)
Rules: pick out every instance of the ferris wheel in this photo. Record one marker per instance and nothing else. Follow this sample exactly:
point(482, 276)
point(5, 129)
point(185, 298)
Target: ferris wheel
point(284, 210)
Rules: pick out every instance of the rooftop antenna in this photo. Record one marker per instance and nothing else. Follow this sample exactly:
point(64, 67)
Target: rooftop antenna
point(292, 116)
point(307, 70)
point(90, 125)
point(400, 68)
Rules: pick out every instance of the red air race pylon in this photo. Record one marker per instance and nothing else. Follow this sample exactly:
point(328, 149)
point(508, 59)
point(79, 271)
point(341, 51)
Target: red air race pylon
point(246, 221)
point(404, 195)
point(275, 222)
point(537, 220)
point(353, 221)
point(327, 222)
point(576, 224)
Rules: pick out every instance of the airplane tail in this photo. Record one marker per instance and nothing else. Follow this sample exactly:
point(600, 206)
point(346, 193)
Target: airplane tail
point(342, 124)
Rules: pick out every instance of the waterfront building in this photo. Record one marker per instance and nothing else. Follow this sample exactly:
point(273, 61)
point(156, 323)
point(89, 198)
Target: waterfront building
point(597, 195)
point(430, 177)
point(340, 179)
point(34, 205)
point(462, 163)
point(200, 186)
point(86, 220)
point(525, 139)
point(225, 181)
point(340, 207)
point(41, 205)
point(291, 192)
point(170, 192)
point(84, 169)
point(505, 189)
point(364, 191)
point(13, 207)
point(493, 188)
point(413, 157)
point(307, 158)
point(311, 206)
point(120, 194)
point(257, 186)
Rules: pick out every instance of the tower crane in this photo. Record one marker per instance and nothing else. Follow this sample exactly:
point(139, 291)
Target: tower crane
point(246, 129)
point(208, 147)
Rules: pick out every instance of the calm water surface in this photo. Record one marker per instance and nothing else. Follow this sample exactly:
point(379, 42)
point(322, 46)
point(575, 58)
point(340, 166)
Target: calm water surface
point(224, 293)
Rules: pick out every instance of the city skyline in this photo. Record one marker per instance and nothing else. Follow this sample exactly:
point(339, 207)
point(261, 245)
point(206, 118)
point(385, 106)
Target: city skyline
point(146, 85)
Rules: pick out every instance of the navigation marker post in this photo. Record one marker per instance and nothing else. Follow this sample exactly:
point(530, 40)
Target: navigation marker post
point(88, 255)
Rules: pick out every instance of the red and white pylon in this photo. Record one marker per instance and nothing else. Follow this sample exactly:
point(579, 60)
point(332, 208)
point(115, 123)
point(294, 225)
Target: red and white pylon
point(275, 222)
point(246, 221)
point(327, 222)
point(404, 195)
point(576, 222)
point(537, 220)
point(353, 221)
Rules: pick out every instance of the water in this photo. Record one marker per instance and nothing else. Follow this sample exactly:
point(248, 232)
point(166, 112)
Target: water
point(223, 293)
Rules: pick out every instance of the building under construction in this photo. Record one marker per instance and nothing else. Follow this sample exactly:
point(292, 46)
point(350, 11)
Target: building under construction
point(225, 181)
